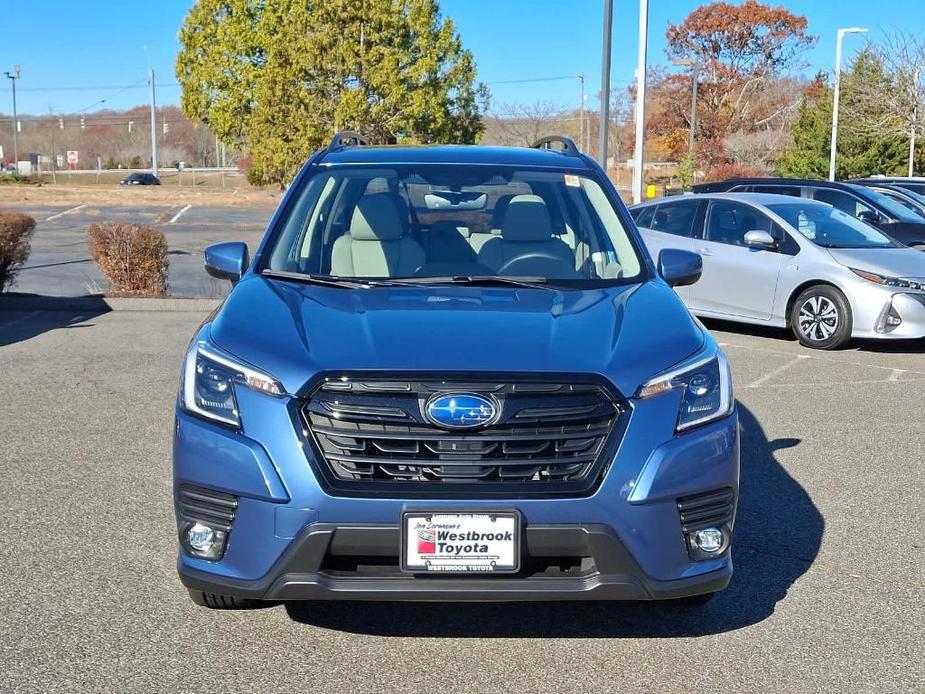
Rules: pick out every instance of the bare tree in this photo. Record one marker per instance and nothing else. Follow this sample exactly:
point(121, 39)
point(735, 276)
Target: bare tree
point(885, 93)
point(522, 124)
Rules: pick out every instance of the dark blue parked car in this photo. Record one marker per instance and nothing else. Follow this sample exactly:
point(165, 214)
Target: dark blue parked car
point(453, 373)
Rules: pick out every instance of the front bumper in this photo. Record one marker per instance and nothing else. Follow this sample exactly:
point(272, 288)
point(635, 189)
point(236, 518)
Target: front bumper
point(608, 571)
point(873, 308)
point(292, 539)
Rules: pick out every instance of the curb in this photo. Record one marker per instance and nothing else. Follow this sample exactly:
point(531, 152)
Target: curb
point(104, 304)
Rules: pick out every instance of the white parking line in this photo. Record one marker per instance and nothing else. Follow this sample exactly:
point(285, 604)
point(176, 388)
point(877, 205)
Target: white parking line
point(829, 360)
point(61, 214)
point(179, 214)
point(780, 369)
point(896, 374)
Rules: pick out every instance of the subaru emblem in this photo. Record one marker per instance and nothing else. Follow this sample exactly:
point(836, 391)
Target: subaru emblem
point(460, 410)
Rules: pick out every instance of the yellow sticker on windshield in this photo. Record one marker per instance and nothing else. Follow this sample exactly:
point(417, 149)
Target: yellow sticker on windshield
point(572, 181)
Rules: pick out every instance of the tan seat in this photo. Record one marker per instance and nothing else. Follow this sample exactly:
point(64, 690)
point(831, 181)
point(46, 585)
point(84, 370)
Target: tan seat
point(526, 231)
point(376, 245)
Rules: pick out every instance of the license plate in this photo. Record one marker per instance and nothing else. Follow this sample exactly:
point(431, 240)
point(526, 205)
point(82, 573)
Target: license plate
point(460, 542)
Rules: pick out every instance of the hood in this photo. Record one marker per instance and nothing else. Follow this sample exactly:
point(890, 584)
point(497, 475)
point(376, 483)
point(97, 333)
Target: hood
point(906, 263)
point(293, 331)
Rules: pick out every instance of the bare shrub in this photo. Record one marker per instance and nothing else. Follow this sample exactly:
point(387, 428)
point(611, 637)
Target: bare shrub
point(15, 232)
point(132, 257)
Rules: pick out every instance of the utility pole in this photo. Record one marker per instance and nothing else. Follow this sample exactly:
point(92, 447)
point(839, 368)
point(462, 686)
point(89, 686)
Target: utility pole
point(153, 128)
point(605, 81)
point(13, 78)
point(839, 37)
point(581, 110)
point(640, 100)
point(915, 116)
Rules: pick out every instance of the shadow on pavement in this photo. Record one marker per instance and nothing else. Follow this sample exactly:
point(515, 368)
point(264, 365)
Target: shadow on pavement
point(778, 534)
point(23, 317)
point(911, 346)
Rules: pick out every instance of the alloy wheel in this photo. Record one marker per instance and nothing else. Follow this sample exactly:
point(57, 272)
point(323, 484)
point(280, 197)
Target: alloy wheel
point(818, 318)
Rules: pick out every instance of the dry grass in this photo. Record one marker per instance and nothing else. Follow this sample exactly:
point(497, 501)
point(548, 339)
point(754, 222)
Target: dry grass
point(141, 196)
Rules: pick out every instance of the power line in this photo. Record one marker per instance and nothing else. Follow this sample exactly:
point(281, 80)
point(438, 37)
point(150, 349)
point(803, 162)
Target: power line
point(111, 96)
point(99, 88)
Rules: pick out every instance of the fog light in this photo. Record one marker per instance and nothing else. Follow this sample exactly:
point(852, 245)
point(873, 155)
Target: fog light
point(709, 540)
point(200, 537)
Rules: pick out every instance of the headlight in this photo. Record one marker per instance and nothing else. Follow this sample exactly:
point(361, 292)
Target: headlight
point(209, 381)
point(889, 281)
point(707, 390)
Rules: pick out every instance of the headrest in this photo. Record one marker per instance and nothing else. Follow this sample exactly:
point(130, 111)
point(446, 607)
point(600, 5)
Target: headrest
point(526, 219)
point(497, 214)
point(376, 218)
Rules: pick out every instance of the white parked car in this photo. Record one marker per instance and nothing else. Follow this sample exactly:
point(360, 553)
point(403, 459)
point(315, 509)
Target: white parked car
point(791, 262)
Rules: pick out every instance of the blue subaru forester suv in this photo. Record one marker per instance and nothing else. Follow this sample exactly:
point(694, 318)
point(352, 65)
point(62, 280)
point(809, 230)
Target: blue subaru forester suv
point(453, 373)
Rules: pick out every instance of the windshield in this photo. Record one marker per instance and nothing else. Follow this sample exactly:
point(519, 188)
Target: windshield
point(425, 222)
point(891, 206)
point(828, 227)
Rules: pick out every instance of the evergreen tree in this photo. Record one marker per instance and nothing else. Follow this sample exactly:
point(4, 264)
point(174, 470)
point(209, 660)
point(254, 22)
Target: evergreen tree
point(281, 76)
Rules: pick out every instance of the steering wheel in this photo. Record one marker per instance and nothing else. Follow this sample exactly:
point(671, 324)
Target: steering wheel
point(538, 264)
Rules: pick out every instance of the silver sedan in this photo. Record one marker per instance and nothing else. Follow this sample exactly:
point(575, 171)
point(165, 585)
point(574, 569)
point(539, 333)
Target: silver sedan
point(789, 262)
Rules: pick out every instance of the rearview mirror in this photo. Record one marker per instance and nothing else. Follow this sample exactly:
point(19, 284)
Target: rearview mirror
point(226, 261)
point(756, 238)
point(679, 268)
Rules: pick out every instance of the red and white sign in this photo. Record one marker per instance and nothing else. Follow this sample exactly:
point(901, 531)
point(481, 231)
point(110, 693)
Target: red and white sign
point(72, 157)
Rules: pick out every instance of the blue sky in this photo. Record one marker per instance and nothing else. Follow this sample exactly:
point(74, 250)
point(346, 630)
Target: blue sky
point(81, 54)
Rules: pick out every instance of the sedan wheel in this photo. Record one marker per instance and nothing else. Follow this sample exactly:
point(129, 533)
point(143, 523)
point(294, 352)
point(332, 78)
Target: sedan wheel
point(821, 318)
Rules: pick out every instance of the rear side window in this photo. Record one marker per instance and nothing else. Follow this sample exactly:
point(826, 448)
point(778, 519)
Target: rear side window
point(675, 218)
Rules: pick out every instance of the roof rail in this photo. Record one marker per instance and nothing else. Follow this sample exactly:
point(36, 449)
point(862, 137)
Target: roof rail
point(568, 144)
point(346, 138)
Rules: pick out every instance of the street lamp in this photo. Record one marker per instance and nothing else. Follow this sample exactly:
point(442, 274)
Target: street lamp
point(13, 78)
point(640, 100)
point(695, 68)
point(838, 41)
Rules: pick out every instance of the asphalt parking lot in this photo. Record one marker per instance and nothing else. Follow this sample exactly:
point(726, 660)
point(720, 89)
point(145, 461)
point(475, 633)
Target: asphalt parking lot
point(828, 594)
point(60, 263)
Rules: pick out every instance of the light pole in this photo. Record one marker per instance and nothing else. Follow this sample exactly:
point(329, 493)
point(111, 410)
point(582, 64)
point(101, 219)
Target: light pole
point(840, 36)
point(13, 78)
point(581, 110)
point(695, 69)
point(605, 81)
point(640, 99)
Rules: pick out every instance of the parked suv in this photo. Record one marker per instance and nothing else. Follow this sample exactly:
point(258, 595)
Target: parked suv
point(892, 218)
point(453, 373)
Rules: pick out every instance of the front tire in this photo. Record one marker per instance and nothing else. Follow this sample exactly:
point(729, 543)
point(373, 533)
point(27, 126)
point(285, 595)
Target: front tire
point(821, 318)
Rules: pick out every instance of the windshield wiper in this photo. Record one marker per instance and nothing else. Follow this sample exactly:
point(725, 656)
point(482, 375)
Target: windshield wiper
point(325, 281)
point(477, 281)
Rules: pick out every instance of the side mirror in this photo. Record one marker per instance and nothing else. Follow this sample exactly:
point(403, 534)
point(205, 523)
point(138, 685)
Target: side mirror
point(759, 239)
point(226, 261)
point(679, 268)
point(869, 217)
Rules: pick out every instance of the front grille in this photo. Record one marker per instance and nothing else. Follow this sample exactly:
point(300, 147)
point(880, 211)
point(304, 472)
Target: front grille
point(215, 509)
point(374, 433)
point(712, 509)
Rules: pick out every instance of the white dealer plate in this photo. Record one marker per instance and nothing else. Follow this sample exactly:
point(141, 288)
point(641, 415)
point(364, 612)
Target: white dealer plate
point(443, 542)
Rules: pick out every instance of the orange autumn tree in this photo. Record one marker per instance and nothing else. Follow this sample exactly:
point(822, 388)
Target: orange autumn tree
point(747, 94)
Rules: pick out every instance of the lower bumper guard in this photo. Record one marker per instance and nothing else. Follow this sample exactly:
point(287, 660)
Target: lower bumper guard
point(313, 569)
